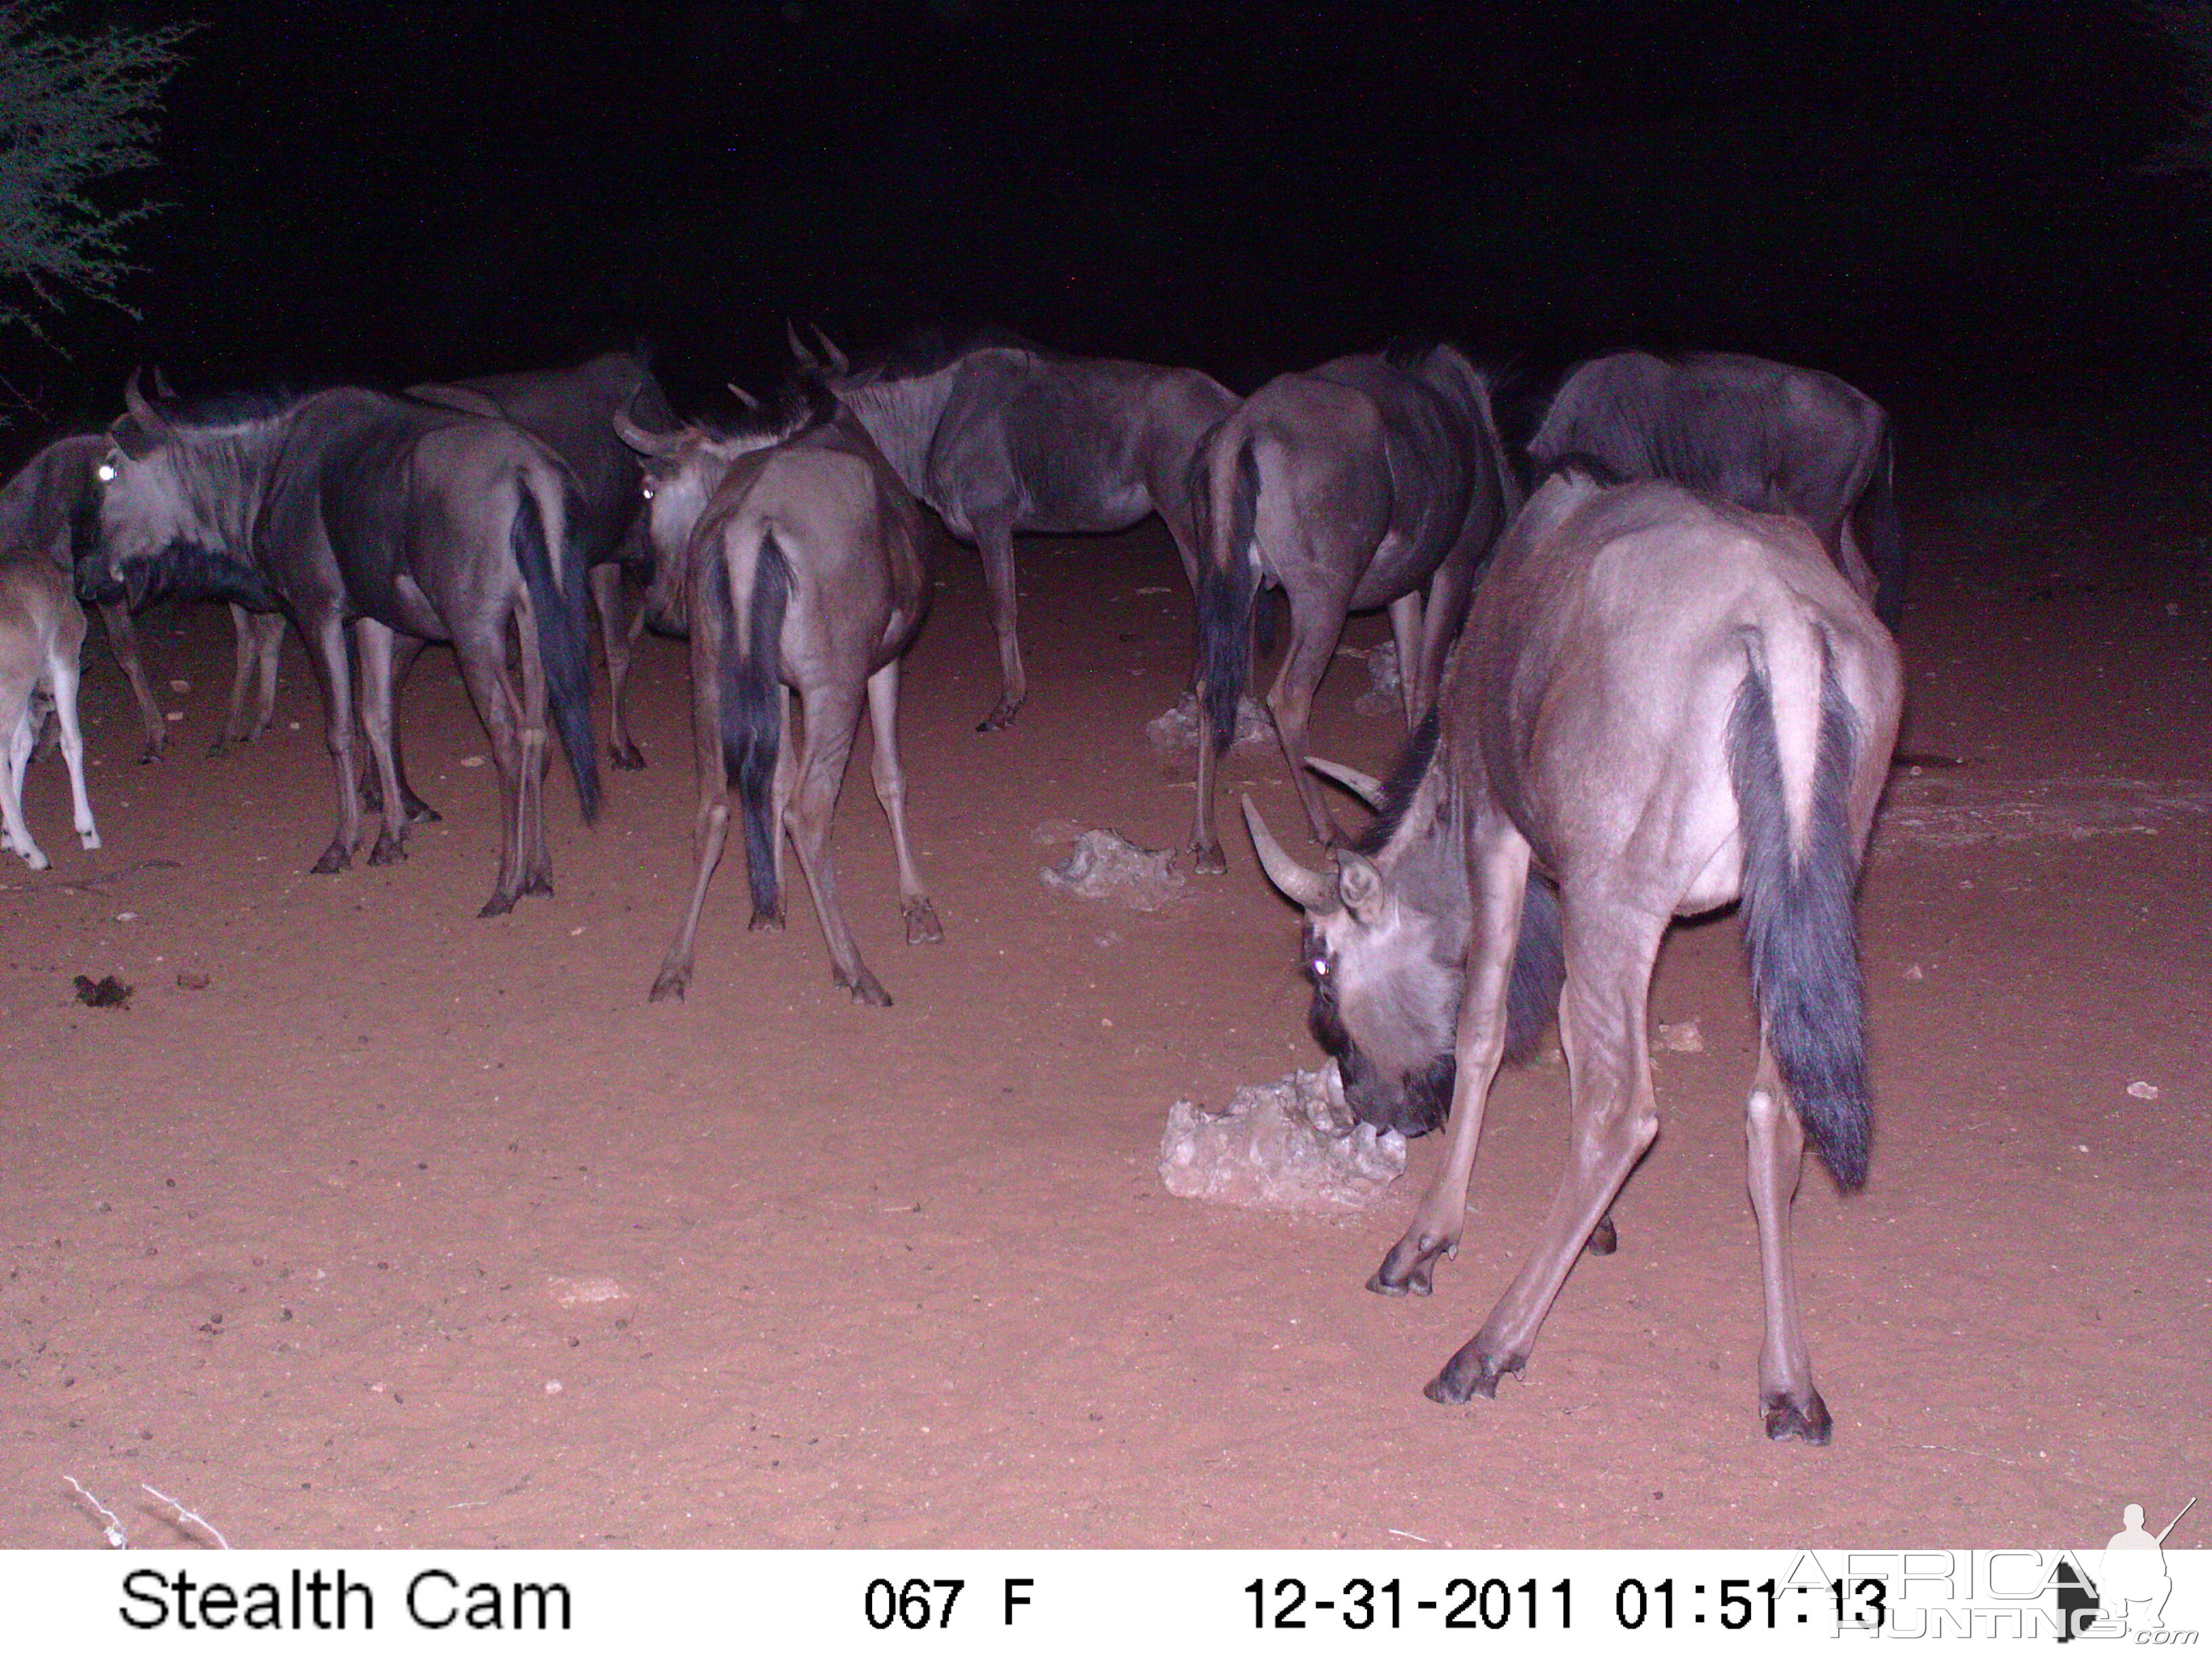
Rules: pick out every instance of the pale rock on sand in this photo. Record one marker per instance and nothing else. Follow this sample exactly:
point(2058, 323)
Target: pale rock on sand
point(1290, 1145)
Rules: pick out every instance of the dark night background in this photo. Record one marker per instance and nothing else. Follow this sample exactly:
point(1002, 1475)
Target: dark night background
point(1936, 201)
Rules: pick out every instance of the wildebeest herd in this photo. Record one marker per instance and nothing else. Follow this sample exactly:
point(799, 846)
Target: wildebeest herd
point(1644, 668)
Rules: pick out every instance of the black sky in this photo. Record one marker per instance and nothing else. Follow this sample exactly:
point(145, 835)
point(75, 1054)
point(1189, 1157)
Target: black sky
point(1924, 197)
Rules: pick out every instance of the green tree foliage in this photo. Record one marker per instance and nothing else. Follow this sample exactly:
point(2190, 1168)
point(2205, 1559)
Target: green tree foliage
point(75, 111)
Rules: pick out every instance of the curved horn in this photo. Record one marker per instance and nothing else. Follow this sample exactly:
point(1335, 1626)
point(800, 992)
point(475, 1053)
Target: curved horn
point(1302, 886)
point(743, 396)
point(644, 442)
point(150, 420)
point(798, 346)
point(835, 362)
point(162, 389)
point(1368, 789)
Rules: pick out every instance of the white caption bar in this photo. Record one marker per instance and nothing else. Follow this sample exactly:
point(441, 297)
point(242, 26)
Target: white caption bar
point(1228, 1602)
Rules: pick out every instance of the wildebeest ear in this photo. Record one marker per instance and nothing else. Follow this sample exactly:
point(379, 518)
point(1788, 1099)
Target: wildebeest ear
point(1358, 885)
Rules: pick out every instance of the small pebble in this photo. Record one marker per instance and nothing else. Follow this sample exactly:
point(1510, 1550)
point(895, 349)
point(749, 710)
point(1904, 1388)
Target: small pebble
point(1914, 972)
point(2144, 1090)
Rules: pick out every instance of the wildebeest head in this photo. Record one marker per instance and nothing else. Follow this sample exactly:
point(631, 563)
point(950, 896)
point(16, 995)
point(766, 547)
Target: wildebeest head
point(1386, 984)
point(168, 515)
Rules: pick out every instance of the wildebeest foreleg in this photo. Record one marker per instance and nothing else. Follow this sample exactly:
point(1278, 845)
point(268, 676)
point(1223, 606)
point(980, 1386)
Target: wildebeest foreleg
point(1776, 1142)
point(326, 639)
point(618, 631)
point(1610, 951)
point(483, 670)
point(922, 925)
point(1406, 633)
point(1316, 620)
point(1444, 611)
point(257, 642)
point(1501, 870)
point(373, 650)
point(832, 716)
point(123, 640)
point(994, 540)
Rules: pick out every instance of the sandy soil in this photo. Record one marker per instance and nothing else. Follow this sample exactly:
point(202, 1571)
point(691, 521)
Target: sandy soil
point(411, 1229)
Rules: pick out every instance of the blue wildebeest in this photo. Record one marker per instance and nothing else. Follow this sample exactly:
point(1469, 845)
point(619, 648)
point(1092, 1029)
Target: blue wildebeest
point(1661, 704)
point(371, 520)
point(1374, 480)
point(998, 438)
point(571, 411)
point(1765, 436)
point(41, 507)
point(41, 630)
point(802, 567)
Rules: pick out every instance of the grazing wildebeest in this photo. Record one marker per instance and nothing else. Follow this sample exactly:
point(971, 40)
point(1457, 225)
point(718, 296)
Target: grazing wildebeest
point(998, 438)
point(41, 630)
point(40, 508)
point(363, 515)
point(1374, 480)
point(1765, 436)
point(1661, 704)
point(571, 411)
point(804, 569)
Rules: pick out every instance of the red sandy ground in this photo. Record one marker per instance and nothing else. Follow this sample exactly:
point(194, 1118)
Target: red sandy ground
point(314, 1248)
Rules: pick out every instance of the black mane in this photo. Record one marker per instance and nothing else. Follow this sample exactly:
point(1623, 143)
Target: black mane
point(1413, 763)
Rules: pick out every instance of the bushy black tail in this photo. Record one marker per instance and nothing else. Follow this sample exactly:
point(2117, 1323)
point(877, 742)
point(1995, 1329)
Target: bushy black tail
point(752, 710)
point(1884, 539)
point(564, 631)
point(1228, 585)
point(1798, 922)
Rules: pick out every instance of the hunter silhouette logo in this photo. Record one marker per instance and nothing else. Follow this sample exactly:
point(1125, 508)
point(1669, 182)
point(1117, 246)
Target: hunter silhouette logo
point(2128, 1592)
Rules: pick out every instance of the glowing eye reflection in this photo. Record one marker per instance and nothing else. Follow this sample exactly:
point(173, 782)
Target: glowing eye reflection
point(106, 472)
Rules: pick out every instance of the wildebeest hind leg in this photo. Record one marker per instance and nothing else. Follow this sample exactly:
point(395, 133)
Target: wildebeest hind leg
point(1501, 880)
point(418, 810)
point(922, 923)
point(675, 975)
point(1317, 620)
point(537, 859)
point(374, 647)
point(832, 715)
point(483, 670)
point(327, 639)
point(1776, 1142)
point(995, 540)
point(618, 635)
point(1610, 951)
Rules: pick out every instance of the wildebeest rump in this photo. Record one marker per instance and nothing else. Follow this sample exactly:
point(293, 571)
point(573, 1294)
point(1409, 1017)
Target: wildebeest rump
point(1373, 480)
point(1005, 438)
point(571, 411)
point(1661, 704)
point(360, 513)
point(1765, 436)
point(805, 570)
point(41, 630)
